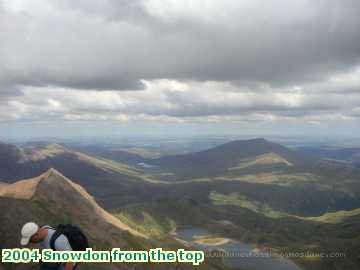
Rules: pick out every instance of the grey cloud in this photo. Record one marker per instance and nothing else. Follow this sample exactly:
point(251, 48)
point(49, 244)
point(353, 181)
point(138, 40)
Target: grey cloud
point(235, 61)
point(192, 104)
point(8, 91)
point(96, 82)
point(113, 10)
point(74, 48)
point(188, 106)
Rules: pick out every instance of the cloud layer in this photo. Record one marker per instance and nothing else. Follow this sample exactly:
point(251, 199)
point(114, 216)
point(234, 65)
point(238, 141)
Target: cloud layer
point(167, 60)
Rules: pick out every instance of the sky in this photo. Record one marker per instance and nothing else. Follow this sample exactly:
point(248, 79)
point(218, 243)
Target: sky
point(95, 67)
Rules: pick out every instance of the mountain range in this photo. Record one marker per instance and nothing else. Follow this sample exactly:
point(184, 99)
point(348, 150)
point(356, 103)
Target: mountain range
point(253, 191)
point(257, 169)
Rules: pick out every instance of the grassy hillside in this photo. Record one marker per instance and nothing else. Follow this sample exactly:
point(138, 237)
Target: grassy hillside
point(264, 159)
point(150, 223)
point(336, 217)
point(264, 209)
point(241, 201)
point(230, 155)
point(262, 162)
point(28, 162)
point(285, 234)
point(126, 156)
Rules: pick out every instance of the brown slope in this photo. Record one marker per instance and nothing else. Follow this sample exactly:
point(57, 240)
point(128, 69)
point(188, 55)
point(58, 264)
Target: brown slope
point(52, 187)
point(73, 196)
point(51, 199)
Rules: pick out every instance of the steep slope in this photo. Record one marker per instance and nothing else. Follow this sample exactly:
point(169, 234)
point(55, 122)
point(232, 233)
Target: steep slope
point(227, 156)
point(60, 197)
point(51, 199)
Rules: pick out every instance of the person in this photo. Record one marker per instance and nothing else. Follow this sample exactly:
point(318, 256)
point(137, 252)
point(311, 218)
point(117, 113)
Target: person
point(31, 233)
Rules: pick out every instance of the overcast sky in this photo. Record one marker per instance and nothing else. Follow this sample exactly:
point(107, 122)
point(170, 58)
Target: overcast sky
point(228, 66)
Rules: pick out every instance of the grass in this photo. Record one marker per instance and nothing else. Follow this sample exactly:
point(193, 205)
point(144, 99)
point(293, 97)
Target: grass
point(334, 217)
point(118, 167)
point(241, 201)
point(266, 159)
point(143, 152)
point(275, 177)
point(146, 223)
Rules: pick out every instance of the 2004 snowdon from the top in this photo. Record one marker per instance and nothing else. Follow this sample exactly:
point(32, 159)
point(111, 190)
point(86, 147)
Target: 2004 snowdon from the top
point(116, 255)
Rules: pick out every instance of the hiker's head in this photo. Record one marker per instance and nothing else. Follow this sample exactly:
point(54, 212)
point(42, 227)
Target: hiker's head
point(31, 233)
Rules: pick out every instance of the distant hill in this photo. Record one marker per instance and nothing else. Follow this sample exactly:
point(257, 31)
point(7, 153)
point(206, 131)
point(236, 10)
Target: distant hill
point(351, 155)
point(102, 177)
point(232, 155)
point(19, 163)
point(124, 156)
point(25, 162)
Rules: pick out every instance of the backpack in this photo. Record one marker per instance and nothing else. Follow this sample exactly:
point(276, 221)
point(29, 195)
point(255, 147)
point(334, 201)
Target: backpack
point(77, 239)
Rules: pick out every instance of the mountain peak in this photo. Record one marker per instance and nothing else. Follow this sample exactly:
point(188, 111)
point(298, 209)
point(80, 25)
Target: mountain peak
point(52, 172)
point(26, 189)
point(218, 160)
point(250, 141)
point(255, 141)
point(258, 140)
point(55, 190)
